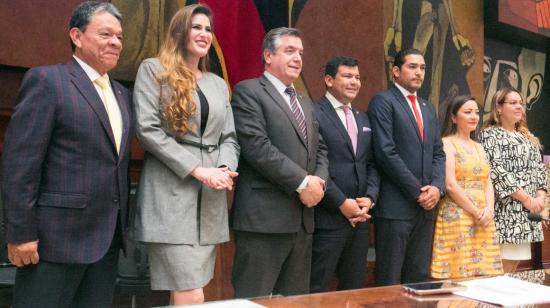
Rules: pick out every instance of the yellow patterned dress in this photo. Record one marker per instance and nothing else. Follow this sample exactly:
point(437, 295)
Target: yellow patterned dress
point(461, 248)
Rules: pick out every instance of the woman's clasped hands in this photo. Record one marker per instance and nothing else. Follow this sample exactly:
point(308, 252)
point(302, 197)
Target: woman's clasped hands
point(216, 178)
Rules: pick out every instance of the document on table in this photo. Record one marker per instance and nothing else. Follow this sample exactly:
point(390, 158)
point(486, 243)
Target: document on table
point(505, 291)
point(232, 303)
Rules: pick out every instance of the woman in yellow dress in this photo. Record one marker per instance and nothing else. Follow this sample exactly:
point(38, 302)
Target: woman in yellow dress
point(465, 239)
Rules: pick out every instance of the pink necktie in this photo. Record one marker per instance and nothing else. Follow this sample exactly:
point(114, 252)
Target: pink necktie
point(352, 130)
point(412, 98)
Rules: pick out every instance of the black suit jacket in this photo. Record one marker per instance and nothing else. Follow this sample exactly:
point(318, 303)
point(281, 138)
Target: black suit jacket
point(405, 162)
point(351, 174)
point(274, 159)
point(63, 182)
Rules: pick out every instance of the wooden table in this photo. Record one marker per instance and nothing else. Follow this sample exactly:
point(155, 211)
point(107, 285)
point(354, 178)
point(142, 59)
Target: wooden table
point(392, 296)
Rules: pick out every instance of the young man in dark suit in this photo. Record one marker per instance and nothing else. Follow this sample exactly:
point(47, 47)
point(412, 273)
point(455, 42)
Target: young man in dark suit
point(341, 237)
point(410, 158)
point(282, 171)
point(65, 170)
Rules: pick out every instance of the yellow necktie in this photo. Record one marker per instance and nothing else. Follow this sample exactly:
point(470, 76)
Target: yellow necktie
point(111, 106)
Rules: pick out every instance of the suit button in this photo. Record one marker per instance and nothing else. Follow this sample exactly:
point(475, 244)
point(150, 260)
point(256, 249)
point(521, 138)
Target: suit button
point(115, 200)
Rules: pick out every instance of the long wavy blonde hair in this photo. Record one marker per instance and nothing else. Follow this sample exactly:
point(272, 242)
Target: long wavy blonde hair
point(521, 125)
point(181, 105)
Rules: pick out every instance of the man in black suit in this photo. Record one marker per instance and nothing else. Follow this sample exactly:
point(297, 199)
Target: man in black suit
point(341, 237)
point(410, 158)
point(282, 171)
point(65, 170)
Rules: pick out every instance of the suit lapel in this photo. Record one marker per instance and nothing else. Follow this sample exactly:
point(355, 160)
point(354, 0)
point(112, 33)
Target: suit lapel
point(123, 105)
point(276, 96)
point(424, 108)
point(406, 107)
point(308, 114)
point(361, 136)
point(331, 114)
point(88, 91)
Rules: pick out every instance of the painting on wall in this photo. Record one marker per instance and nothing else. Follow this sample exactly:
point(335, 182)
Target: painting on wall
point(530, 15)
point(449, 34)
point(506, 65)
point(238, 33)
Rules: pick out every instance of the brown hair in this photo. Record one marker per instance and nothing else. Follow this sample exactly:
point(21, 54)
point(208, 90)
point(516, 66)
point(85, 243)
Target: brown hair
point(181, 106)
point(494, 117)
point(450, 110)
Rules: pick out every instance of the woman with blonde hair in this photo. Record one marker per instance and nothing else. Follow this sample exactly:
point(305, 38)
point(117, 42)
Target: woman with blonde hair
point(465, 239)
point(185, 125)
point(518, 174)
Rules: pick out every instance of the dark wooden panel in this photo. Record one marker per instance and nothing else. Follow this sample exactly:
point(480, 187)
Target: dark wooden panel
point(10, 81)
point(36, 31)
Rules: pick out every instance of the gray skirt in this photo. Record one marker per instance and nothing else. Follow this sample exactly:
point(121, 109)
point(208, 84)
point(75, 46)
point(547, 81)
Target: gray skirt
point(181, 267)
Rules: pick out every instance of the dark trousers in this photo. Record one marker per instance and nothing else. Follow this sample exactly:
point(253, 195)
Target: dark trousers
point(49, 284)
point(403, 250)
point(267, 263)
point(342, 251)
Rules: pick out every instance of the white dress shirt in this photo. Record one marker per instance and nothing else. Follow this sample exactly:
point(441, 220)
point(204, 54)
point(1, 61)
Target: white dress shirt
point(405, 94)
point(116, 116)
point(339, 110)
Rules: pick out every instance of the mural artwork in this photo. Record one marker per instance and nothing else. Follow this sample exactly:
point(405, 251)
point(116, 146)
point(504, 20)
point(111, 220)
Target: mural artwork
point(506, 65)
point(530, 15)
point(439, 29)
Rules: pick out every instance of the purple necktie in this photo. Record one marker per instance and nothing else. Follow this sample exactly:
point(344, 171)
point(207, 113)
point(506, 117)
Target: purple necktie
point(352, 130)
point(296, 111)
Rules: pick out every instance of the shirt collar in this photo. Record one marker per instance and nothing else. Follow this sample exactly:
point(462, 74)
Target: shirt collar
point(90, 72)
point(279, 85)
point(403, 91)
point(335, 103)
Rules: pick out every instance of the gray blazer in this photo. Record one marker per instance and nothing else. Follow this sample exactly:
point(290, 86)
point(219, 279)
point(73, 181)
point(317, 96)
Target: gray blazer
point(275, 159)
point(167, 197)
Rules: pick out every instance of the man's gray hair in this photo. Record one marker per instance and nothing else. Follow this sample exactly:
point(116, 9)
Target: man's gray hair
point(272, 39)
point(83, 13)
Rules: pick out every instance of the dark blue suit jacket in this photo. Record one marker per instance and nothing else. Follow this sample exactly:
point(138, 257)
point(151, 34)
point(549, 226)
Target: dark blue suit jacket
point(404, 162)
point(63, 182)
point(350, 175)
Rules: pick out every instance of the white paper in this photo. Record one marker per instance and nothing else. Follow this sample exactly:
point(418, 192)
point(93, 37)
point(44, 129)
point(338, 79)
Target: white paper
point(505, 291)
point(232, 303)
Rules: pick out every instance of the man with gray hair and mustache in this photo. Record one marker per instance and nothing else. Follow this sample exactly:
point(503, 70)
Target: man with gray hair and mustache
point(282, 172)
point(65, 170)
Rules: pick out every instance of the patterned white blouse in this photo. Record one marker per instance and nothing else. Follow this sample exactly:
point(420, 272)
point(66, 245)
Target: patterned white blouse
point(516, 163)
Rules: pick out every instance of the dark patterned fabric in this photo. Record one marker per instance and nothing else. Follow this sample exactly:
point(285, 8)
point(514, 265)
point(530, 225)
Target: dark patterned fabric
point(515, 164)
point(534, 276)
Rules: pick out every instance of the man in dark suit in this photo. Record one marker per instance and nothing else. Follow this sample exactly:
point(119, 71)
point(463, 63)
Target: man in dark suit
point(341, 237)
point(65, 170)
point(282, 171)
point(411, 162)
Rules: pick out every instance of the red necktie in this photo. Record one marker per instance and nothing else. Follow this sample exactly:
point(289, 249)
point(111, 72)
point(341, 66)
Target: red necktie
point(412, 99)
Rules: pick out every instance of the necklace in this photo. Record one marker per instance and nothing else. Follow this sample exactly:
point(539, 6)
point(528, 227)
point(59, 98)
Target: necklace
point(468, 146)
